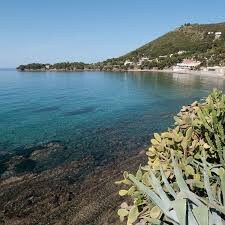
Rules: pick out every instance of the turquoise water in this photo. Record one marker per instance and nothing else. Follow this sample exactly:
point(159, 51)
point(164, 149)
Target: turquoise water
point(92, 113)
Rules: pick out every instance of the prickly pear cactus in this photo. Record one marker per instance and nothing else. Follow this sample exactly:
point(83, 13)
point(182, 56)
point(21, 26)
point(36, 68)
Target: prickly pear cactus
point(185, 163)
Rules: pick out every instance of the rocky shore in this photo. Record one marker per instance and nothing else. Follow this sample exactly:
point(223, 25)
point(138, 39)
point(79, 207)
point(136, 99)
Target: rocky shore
point(191, 72)
point(80, 192)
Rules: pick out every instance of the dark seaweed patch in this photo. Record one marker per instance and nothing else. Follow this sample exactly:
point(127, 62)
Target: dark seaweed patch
point(3, 167)
point(80, 111)
point(7, 94)
point(61, 97)
point(46, 109)
point(26, 165)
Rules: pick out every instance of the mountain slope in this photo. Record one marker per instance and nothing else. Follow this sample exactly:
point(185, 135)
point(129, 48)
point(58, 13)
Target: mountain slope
point(202, 42)
point(189, 37)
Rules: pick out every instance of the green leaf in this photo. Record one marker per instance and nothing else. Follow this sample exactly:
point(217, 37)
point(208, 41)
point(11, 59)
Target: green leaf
point(155, 221)
point(219, 149)
point(189, 169)
point(189, 159)
point(180, 207)
point(194, 103)
point(125, 181)
point(206, 179)
point(197, 177)
point(198, 184)
point(189, 133)
point(133, 215)
point(201, 214)
point(166, 183)
point(122, 213)
point(146, 180)
point(205, 123)
point(178, 120)
point(222, 178)
point(153, 197)
point(155, 212)
point(209, 141)
point(157, 137)
point(184, 144)
point(131, 190)
point(139, 174)
point(154, 142)
point(206, 146)
point(125, 174)
point(122, 192)
point(159, 190)
point(179, 176)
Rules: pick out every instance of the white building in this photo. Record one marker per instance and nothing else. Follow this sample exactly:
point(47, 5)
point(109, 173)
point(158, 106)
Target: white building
point(47, 66)
point(163, 56)
point(143, 59)
point(186, 65)
point(128, 62)
point(181, 52)
point(218, 35)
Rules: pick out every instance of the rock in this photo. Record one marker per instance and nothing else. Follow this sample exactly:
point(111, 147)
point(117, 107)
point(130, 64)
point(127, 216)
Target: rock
point(74, 193)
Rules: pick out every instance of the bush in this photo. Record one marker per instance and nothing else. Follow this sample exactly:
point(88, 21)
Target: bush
point(184, 180)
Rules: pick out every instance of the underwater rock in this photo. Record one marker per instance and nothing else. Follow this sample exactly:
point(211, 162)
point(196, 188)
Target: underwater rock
point(29, 159)
point(73, 193)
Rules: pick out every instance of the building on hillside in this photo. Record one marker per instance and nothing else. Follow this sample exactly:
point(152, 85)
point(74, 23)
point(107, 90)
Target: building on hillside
point(186, 65)
point(143, 59)
point(163, 56)
point(218, 35)
point(47, 66)
point(181, 52)
point(128, 62)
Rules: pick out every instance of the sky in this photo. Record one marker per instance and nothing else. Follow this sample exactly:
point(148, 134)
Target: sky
point(50, 31)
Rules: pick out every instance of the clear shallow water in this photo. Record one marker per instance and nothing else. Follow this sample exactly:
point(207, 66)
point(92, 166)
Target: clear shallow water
point(92, 113)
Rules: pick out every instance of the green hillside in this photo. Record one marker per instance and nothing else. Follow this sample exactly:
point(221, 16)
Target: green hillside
point(197, 41)
point(193, 39)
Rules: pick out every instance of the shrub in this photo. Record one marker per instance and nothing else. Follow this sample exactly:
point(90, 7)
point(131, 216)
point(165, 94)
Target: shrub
point(184, 180)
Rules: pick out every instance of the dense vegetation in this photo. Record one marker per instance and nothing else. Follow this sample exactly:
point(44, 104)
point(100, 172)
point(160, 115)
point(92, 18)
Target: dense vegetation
point(194, 40)
point(184, 180)
point(66, 66)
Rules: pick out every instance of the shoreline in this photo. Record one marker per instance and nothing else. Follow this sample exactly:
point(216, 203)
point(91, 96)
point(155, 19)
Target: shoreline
point(191, 72)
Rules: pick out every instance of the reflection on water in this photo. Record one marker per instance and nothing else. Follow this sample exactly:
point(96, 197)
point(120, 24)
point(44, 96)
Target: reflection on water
point(201, 80)
point(92, 113)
